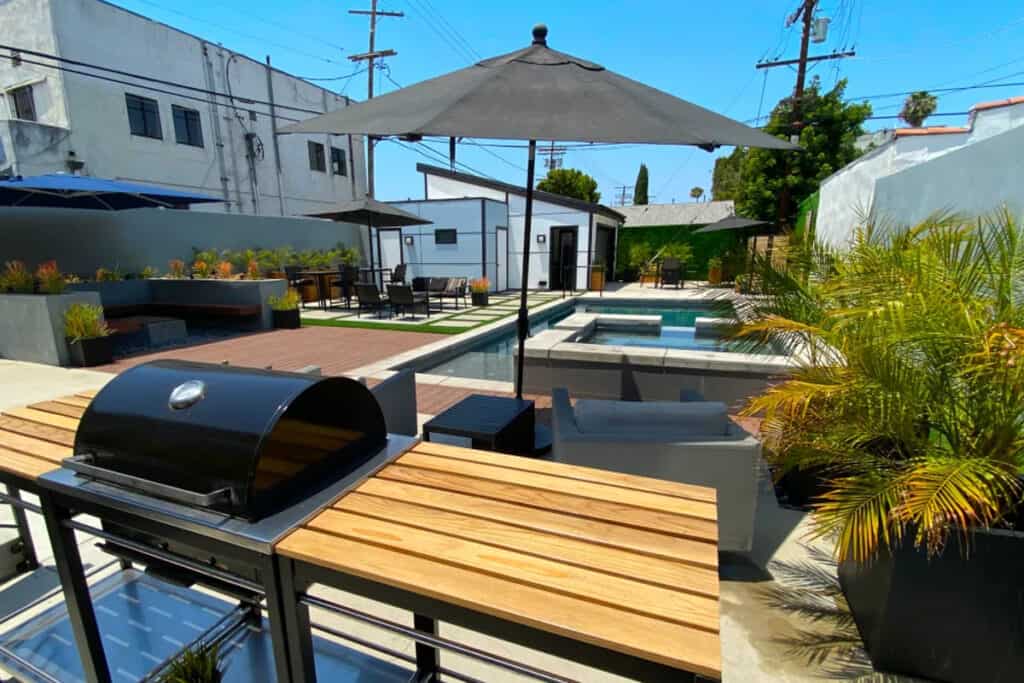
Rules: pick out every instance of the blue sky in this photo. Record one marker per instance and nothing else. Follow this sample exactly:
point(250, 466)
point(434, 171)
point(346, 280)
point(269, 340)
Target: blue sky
point(702, 52)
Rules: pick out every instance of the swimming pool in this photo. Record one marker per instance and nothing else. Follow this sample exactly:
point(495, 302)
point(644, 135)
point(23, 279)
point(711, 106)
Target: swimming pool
point(493, 359)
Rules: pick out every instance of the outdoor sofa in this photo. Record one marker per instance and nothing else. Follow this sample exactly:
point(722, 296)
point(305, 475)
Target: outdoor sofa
point(692, 442)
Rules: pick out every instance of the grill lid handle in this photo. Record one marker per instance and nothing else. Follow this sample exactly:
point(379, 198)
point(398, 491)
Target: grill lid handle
point(83, 465)
point(187, 394)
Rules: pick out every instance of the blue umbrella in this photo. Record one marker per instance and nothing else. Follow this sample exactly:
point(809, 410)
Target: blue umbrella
point(65, 191)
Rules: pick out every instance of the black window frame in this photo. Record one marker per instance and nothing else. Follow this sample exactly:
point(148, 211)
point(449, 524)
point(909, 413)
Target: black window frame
point(190, 131)
point(452, 232)
point(148, 126)
point(317, 156)
point(339, 162)
point(18, 103)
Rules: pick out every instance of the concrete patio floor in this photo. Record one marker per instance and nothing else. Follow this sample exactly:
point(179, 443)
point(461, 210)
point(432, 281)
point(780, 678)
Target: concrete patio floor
point(763, 636)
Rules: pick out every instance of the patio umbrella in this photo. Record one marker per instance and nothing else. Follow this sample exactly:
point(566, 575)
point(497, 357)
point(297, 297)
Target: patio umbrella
point(65, 191)
point(371, 213)
point(731, 223)
point(538, 94)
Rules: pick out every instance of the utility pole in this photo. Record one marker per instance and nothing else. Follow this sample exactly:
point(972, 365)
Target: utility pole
point(804, 13)
point(622, 190)
point(554, 156)
point(368, 57)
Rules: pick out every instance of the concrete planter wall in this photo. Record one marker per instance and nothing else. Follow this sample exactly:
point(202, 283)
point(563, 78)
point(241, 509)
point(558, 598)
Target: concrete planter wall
point(117, 293)
point(32, 325)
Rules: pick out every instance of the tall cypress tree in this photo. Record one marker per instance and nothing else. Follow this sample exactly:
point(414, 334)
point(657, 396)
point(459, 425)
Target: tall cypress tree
point(640, 187)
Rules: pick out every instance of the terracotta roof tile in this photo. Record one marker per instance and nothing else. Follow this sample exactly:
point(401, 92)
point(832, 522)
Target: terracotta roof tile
point(930, 130)
point(995, 104)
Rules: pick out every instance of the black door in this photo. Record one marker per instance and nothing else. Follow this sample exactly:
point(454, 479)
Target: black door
point(562, 264)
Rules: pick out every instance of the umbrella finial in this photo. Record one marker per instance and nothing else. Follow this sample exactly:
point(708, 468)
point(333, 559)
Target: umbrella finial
point(540, 34)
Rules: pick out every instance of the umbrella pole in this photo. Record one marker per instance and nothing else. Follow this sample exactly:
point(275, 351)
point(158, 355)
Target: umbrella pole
point(524, 319)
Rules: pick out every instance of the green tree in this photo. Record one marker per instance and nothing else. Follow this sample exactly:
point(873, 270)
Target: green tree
point(917, 107)
point(696, 193)
point(908, 388)
point(570, 182)
point(828, 139)
point(725, 181)
point(640, 187)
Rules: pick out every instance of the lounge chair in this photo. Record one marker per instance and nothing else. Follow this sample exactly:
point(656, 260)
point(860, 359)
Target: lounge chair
point(369, 298)
point(692, 442)
point(672, 272)
point(403, 299)
point(457, 289)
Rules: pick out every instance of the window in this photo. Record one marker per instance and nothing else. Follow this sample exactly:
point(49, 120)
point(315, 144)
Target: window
point(23, 104)
point(188, 130)
point(445, 236)
point(143, 116)
point(338, 161)
point(317, 162)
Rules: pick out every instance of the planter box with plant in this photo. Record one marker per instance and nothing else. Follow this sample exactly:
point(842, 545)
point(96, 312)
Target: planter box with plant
point(480, 291)
point(88, 335)
point(714, 270)
point(32, 312)
point(285, 310)
point(908, 399)
point(597, 275)
point(197, 664)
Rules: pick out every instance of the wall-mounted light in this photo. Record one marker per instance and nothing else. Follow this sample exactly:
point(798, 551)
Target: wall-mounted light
point(541, 238)
point(408, 240)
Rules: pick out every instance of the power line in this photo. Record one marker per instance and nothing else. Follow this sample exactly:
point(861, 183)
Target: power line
point(460, 50)
point(240, 33)
point(281, 27)
point(454, 31)
point(976, 86)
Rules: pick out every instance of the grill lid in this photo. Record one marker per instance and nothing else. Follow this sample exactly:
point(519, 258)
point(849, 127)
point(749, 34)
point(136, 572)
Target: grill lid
point(242, 441)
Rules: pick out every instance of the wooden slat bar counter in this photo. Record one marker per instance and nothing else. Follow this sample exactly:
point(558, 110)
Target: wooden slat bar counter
point(612, 570)
point(33, 441)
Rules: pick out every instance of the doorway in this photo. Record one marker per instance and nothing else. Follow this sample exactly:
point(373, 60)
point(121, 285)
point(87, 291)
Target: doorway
point(604, 250)
point(562, 257)
point(501, 257)
point(389, 249)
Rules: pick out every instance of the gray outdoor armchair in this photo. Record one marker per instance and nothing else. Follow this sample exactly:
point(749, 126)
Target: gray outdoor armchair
point(692, 442)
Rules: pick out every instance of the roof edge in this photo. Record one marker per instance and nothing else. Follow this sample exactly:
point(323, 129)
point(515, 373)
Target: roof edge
point(549, 197)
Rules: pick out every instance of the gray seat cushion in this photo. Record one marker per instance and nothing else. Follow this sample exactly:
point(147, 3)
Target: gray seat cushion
point(656, 419)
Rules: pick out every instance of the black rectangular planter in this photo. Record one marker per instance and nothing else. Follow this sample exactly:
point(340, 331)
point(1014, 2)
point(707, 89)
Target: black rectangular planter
point(946, 618)
point(287, 320)
point(86, 353)
point(480, 298)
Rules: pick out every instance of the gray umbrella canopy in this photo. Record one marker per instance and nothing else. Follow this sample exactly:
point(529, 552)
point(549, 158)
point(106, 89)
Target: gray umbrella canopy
point(540, 94)
point(732, 223)
point(370, 212)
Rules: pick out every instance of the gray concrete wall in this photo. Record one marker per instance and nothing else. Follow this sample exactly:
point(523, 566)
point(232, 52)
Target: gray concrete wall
point(32, 326)
point(82, 241)
point(974, 179)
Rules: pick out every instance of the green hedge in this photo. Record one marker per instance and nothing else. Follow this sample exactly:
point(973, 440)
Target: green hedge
point(704, 246)
point(807, 206)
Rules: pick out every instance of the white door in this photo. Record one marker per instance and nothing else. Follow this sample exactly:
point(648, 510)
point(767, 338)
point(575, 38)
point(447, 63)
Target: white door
point(501, 281)
point(390, 248)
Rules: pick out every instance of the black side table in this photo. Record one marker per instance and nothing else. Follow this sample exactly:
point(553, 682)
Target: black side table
point(494, 423)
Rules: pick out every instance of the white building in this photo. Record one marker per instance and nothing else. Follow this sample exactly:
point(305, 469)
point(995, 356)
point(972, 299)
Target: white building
point(477, 229)
point(923, 170)
point(215, 136)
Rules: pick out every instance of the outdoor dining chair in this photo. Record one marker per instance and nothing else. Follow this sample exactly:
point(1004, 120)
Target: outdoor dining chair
point(403, 299)
point(295, 280)
point(369, 298)
point(398, 274)
point(671, 272)
point(346, 281)
point(435, 290)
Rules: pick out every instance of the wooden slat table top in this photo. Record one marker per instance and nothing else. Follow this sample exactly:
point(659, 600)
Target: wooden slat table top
point(34, 439)
point(622, 562)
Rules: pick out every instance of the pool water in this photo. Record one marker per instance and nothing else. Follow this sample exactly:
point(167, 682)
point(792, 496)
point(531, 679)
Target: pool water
point(670, 338)
point(670, 317)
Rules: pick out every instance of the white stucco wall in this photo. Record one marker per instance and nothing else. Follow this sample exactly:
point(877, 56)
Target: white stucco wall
point(94, 110)
point(974, 179)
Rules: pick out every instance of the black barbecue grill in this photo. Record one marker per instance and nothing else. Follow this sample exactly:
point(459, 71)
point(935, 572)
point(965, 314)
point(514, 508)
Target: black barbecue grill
point(198, 469)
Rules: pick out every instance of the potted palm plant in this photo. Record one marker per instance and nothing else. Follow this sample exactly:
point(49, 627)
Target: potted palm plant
point(88, 335)
point(480, 291)
point(285, 310)
point(907, 403)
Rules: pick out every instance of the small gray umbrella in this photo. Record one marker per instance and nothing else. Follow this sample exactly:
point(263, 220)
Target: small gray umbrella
point(538, 94)
point(732, 223)
point(371, 213)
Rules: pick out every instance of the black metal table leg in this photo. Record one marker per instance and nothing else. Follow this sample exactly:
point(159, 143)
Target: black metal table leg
point(298, 635)
point(28, 550)
point(281, 615)
point(428, 660)
point(76, 591)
